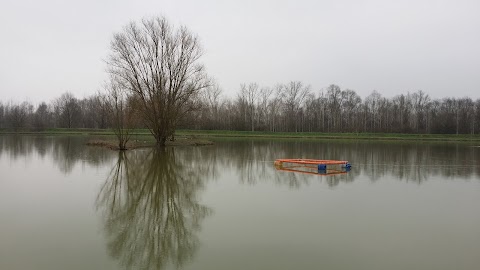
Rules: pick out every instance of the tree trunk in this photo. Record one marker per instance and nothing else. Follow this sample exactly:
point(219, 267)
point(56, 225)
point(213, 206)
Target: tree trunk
point(161, 140)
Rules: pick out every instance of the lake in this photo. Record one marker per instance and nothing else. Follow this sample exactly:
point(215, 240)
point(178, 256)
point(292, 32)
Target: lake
point(403, 205)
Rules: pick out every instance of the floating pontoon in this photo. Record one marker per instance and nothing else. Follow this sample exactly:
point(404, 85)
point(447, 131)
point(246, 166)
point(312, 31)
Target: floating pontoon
point(312, 166)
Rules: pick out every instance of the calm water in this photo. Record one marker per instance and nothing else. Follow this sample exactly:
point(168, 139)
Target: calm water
point(64, 205)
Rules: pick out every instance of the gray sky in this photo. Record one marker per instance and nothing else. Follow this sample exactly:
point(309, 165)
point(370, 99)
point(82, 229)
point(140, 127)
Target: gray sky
point(49, 47)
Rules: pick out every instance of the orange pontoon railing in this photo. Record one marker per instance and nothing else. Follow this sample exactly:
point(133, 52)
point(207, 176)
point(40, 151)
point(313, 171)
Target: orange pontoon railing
point(312, 161)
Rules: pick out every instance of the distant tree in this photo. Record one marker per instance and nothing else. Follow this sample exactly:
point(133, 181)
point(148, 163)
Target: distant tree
point(402, 105)
point(448, 116)
point(321, 108)
point(210, 99)
point(42, 116)
point(350, 104)
point(465, 115)
point(158, 64)
point(295, 94)
point(262, 106)
point(420, 102)
point(432, 115)
point(250, 95)
point(86, 117)
point(334, 96)
point(476, 121)
point(241, 111)
point(2, 115)
point(373, 103)
point(99, 110)
point(274, 107)
point(18, 115)
point(67, 110)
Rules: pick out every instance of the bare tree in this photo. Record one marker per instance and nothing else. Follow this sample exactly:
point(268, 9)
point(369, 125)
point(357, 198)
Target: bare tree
point(476, 121)
point(295, 94)
point(211, 106)
point(262, 106)
point(158, 64)
point(373, 102)
point(41, 117)
point(18, 115)
point(98, 110)
point(67, 110)
point(240, 111)
point(351, 103)
point(334, 95)
point(465, 114)
point(2, 115)
point(402, 108)
point(274, 107)
point(121, 113)
point(250, 93)
point(420, 101)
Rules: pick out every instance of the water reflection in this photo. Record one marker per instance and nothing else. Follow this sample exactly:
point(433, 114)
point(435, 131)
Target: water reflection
point(406, 161)
point(151, 210)
point(252, 160)
point(65, 151)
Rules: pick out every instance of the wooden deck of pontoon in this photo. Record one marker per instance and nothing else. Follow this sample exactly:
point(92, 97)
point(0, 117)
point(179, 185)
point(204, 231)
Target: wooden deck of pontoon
point(311, 166)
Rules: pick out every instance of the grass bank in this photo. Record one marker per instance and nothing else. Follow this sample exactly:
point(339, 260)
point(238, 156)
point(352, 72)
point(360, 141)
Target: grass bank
point(261, 134)
point(344, 136)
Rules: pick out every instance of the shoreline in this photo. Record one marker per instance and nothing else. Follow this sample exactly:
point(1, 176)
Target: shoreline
point(197, 134)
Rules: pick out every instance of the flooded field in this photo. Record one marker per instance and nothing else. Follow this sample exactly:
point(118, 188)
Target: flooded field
point(403, 205)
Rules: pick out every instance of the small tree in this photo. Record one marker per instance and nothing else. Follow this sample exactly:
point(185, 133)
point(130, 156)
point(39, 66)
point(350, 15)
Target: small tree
point(121, 113)
point(158, 65)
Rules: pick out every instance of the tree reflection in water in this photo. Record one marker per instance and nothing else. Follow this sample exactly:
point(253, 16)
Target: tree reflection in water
point(150, 208)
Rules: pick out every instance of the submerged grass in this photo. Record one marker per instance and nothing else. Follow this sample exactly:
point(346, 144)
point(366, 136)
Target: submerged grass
point(110, 142)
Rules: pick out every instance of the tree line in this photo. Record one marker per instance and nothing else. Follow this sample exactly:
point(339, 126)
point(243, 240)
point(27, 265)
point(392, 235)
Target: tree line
point(295, 107)
point(290, 107)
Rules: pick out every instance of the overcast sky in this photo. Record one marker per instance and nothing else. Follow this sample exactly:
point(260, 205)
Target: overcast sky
point(49, 47)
